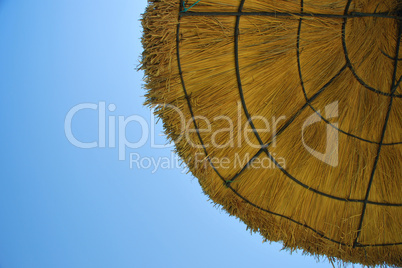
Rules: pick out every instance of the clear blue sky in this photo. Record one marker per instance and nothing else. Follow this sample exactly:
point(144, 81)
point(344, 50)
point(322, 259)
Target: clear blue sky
point(64, 206)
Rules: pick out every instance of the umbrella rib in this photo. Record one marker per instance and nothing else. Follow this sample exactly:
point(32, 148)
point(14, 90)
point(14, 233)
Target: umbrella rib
point(188, 98)
point(243, 102)
point(228, 182)
point(240, 87)
point(393, 89)
point(388, 56)
point(350, 134)
point(399, 82)
point(239, 83)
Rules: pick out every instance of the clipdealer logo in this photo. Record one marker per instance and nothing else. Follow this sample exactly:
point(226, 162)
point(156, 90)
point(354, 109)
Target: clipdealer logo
point(112, 133)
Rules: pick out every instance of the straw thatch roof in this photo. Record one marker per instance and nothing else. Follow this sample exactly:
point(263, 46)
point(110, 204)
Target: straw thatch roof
point(289, 114)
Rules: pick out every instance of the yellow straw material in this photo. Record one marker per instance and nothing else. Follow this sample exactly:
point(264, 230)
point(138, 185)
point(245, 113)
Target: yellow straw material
point(289, 114)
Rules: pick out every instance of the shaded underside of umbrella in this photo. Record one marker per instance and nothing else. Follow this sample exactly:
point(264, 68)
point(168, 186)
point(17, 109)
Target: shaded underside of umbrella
point(289, 114)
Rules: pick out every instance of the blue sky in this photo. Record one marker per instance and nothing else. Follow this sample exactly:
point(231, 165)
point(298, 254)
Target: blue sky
point(64, 206)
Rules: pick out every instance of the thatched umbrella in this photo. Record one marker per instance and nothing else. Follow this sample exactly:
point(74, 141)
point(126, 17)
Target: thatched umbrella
point(289, 114)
